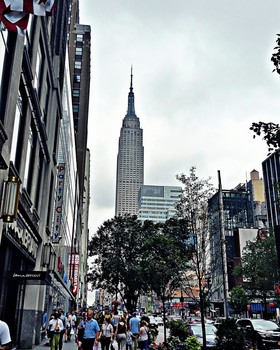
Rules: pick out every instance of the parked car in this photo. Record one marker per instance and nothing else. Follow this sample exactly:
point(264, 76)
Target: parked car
point(218, 321)
point(159, 320)
point(152, 322)
point(210, 330)
point(263, 334)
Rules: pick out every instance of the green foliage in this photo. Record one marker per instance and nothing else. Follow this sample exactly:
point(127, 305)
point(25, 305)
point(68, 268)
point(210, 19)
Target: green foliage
point(238, 300)
point(271, 134)
point(117, 251)
point(139, 257)
point(259, 268)
point(229, 337)
point(193, 207)
point(271, 131)
point(165, 256)
point(178, 329)
point(192, 343)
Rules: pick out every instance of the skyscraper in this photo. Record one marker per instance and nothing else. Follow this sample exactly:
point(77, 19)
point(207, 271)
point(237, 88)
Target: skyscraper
point(157, 203)
point(130, 160)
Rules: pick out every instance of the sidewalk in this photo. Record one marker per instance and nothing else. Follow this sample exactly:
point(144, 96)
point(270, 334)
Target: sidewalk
point(70, 345)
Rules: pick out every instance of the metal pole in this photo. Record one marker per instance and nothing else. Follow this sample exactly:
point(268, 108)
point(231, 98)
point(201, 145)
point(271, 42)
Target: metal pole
point(223, 245)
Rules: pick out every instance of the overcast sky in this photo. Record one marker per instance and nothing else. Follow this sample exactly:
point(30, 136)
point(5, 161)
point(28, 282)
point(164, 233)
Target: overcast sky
point(201, 74)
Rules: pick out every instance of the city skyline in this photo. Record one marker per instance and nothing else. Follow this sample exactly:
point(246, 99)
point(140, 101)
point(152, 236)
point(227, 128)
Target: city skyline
point(202, 73)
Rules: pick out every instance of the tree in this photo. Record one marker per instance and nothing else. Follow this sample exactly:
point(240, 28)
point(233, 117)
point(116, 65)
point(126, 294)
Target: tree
point(271, 131)
point(166, 255)
point(238, 300)
point(229, 337)
point(117, 249)
point(259, 269)
point(193, 207)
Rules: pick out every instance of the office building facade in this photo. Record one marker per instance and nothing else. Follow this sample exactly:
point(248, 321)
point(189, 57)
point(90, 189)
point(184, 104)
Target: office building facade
point(40, 233)
point(257, 199)
point(271, 177)
point(237, 214)
point(157, 203)
point(130, 161)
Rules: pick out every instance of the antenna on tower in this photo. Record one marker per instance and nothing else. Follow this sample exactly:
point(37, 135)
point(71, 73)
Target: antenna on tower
point(131, 76)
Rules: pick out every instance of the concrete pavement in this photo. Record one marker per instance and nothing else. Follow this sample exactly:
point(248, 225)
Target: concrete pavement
point(70, 345)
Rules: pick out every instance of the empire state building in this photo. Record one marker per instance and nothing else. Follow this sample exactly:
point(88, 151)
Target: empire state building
point(130, 161)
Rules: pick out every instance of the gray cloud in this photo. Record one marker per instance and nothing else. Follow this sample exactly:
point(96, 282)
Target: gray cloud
point(202, 75)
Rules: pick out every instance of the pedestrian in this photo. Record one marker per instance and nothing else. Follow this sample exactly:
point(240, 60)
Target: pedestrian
point(134, 325)
point(129, 340)
point(5, 337)
point(73, 320)
point(115, 320)
point(120, 333)
point(91, 332)
point(62, 331)
point(143, 336)
point(107, 334)
point(67, 327)
point(55, 327)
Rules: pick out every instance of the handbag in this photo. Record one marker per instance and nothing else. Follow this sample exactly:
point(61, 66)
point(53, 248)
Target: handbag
point(50, 334)
point(80, 333)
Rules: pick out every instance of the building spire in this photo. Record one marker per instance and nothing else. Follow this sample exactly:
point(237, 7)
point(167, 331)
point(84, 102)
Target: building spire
point(131, 108)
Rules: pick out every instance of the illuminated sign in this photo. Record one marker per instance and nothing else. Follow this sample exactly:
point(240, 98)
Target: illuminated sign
point(58, 202)
point(73, 272)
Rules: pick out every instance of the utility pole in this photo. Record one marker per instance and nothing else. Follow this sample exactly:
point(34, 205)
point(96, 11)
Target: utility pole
point(223, 245)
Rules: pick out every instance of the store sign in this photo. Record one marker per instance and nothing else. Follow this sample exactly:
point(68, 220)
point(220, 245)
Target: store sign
point(32, 275)
point(73, 273)
point(58, 202)
point(25, 238)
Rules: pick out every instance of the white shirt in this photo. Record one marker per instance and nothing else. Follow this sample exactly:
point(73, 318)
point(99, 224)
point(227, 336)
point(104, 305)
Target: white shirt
point(52, 324)
point(5, 337)
point(73, 319)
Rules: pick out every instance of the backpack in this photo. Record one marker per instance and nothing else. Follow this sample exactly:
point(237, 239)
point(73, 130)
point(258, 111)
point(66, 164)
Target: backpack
point(150, 336)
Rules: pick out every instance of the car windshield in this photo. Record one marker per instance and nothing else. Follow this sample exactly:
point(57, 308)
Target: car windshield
point(264, 325)
point(209, 329)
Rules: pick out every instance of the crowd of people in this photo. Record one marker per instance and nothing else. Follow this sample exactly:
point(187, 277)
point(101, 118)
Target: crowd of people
point(112, 332)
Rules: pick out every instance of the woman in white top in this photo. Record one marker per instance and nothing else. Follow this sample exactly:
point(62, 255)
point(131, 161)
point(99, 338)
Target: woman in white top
point(106, 334)
point(143, 336)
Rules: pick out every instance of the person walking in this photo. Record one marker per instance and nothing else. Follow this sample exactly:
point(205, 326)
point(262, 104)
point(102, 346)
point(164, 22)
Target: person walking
point(91, 332)
point(73, 320)
point(67, 327)
point(115, 320)
point(107, 334)
point(62, 331)
point(134, 324)
point(129, 340)
point(143, 336)
point(55, 328)
point(5, 337)
point(120, 334)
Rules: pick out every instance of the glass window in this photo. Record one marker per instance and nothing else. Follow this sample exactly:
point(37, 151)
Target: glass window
point(79, 51)
point(3, 41)
point(77, 78)
point(75, 108)
point(80, 37)
point(38, 68)
point(28, 158)
point(18, 116)
point(76, 92)
point(78, 64)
